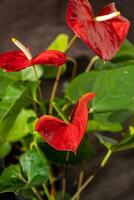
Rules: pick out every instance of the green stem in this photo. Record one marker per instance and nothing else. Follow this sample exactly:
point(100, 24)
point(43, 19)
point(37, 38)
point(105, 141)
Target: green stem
point(71, 42)
point(36, 193)
point(53, 190)
point(39, 89)
point(80, 182)
point(46, 192)
point(103, 163)
point(106, 158)
point(65, 176)
point(74, 66)
point(60, 113)
point(93, 60)
point(54, 90)
point(64, 108)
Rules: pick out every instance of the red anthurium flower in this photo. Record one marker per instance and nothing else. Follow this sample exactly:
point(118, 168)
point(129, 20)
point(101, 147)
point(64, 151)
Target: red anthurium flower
point(19, 60)
point(16, 60)
point(103, 34)
point(66, 136)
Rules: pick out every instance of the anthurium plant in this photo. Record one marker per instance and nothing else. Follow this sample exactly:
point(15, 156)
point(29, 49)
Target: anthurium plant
point(39, 135)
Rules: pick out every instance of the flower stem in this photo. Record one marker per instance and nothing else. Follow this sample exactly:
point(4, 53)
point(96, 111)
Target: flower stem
point(65, 176)
point(74, 66)
point(46, 192)
point(80, 182)
point(106, 158)
point(55, 86)
point(71, 42)
point(103, 163)
point(39, 89)
point(93, 60)
point(60, 113)
point(54, 90)
point(36, 193)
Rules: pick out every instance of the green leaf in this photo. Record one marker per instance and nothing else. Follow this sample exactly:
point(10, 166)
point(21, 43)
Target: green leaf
point(5, 149)
point(28, 194)
point(114, 98)
point(60, 43)
point(94, 126)
point(35, 167)
point(101, 65)
point(80, 85)
point(126, 52)
point(5, 83)
point(11, 179)
point(17, 95)
point(20, 126)
point(111, 144)
point(125, 144)
point(25, 74)
point(106, 141)
point(115, 91)
point(85, 152)
point(111, 118)
point(131, 130)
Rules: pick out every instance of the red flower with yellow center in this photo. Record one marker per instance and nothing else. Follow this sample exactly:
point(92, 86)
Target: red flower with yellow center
point(21, 59)
point(103, 34)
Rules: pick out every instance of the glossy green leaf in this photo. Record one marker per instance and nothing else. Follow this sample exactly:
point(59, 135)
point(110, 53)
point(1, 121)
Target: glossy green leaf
point(101, 65)
point(94, 126)
point(5, 149)
point(111, 144)
point(21, 127)
point(125, 144)
point(115, 91)
point(11, 179)
point(106, 141)
point(111, 118)
point(81, 85)
point(24, 75)
point(59, 43)
point(5, 82)
point(126, 52)
point(131, 130)
point(114, 98)
point(35, 167)
point(16, 96)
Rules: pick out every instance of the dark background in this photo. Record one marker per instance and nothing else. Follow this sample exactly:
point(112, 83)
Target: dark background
point(36, 23)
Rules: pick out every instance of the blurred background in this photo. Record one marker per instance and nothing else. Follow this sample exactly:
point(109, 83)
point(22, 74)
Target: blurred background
point(36, 23)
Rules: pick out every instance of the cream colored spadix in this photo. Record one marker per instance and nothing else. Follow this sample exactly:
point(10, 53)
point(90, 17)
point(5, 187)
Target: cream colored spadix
point(22, 48)
point(107, 17)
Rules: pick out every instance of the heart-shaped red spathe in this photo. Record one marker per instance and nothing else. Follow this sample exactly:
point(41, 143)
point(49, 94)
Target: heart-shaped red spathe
point(63, 136)
point(104, 38)
point(17, 60)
